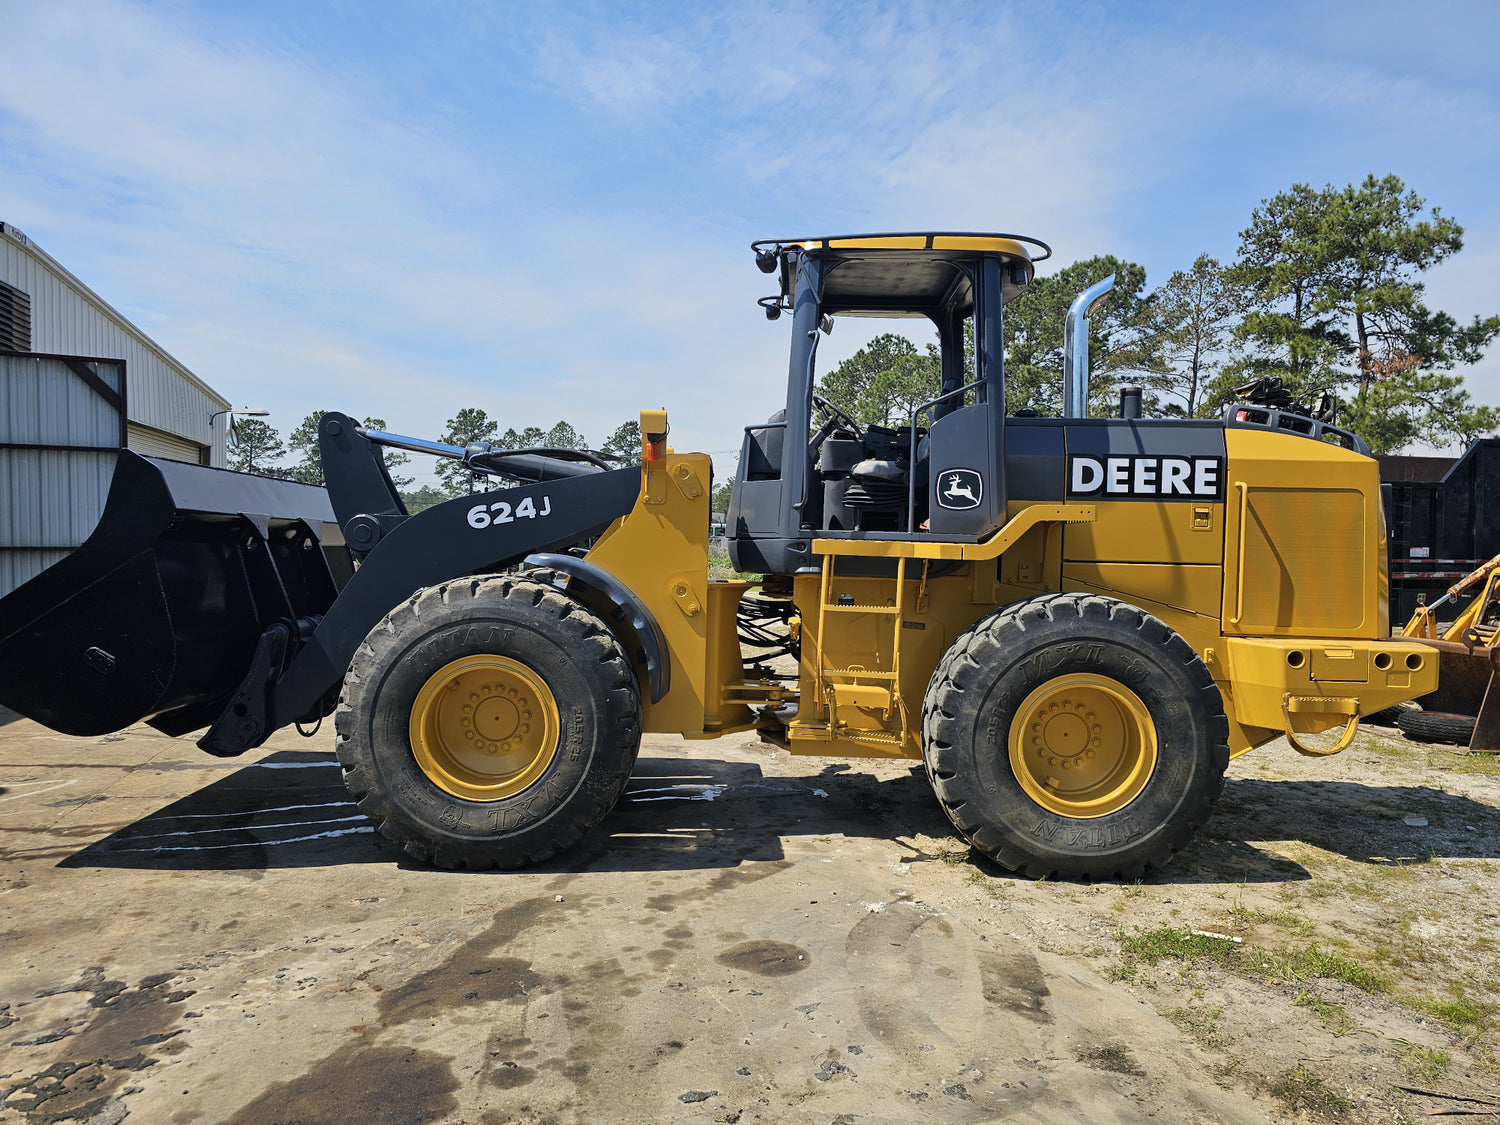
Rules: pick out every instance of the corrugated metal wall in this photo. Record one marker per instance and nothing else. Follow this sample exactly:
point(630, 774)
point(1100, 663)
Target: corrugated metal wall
point(51, 498)
point(70, 319)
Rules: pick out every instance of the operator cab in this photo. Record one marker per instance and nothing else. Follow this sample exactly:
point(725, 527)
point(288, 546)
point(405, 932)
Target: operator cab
point(937, 470)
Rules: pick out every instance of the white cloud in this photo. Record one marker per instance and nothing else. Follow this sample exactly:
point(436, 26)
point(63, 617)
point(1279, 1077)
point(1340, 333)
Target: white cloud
point(573, 243)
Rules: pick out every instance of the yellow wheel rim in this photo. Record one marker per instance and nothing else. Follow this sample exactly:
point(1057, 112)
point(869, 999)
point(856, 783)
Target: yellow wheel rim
point(1083, 745)
point(484, 728)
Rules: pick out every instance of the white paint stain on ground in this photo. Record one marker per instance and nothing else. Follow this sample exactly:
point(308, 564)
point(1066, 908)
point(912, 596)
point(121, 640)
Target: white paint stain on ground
point(255, 843)
point(256, 812)
point(247, 828)
point(689, 791)
point(34, 788)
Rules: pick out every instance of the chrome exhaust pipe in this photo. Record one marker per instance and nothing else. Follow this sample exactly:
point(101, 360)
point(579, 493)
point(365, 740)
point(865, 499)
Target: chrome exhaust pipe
point(1076, 348)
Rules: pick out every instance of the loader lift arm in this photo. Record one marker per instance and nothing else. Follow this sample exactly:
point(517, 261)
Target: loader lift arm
point(402, 554)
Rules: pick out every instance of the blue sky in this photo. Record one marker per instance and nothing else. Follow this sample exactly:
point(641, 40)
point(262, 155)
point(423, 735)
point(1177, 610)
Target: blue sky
point(544, 209)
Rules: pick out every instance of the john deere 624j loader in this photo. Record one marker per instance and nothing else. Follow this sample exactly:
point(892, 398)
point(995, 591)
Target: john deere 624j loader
point(1073, 622)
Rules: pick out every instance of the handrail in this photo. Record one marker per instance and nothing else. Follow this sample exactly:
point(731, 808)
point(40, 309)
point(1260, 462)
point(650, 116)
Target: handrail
point(911, 462)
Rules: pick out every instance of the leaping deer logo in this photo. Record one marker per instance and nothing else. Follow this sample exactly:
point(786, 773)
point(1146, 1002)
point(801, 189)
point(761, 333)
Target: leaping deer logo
point(957, 490)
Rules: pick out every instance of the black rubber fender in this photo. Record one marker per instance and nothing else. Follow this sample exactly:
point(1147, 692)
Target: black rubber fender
point(607, 596)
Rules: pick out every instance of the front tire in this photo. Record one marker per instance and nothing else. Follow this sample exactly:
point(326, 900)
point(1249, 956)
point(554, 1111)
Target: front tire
point(1076, 736)
point(488, 722)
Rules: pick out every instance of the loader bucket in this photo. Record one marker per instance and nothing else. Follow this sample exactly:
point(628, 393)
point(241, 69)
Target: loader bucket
point(157, 615)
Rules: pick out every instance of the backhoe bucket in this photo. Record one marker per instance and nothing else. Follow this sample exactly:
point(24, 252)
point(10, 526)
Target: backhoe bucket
point(158, 614)
point(1467, 685)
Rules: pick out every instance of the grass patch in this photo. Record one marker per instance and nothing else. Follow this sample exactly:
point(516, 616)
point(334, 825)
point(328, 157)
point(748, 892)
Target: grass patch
point(1464, 1016)
point(953, 857)
point(723, 570)
point(1165, 943)
point(1243, 917)
point(1311, 960)
point(1201, 1025)
point(1335, 1017)
point(1486, 765)
point(1385, 746)
point(1301, 1089)
point(1422, 1064)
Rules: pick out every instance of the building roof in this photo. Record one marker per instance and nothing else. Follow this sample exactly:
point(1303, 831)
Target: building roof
point(9, 231)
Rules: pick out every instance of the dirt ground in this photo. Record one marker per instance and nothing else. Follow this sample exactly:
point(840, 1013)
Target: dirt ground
point(750, 937)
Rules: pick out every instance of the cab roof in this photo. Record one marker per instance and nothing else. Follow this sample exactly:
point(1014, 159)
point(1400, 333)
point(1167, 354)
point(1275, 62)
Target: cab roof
point(910, 274)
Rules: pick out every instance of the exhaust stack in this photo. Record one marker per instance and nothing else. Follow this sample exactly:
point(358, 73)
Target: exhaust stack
point(1076, 348)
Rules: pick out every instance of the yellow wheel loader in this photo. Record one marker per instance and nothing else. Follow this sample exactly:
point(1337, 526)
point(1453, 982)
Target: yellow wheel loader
point(1073, 622)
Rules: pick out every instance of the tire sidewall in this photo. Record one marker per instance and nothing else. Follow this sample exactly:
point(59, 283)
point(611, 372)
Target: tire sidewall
point(1061, 642)
point(1436, 727)
point(595, 748)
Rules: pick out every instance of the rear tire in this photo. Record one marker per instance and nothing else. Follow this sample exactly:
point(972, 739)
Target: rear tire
point(1436, 726)
point(1075, 736)
point(488, 722)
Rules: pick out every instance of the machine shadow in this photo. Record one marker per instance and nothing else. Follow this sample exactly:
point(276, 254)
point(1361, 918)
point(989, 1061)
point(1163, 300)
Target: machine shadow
point(1362, 822)
point(290, 810)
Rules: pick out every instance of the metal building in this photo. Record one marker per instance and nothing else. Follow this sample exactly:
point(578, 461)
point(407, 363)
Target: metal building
point(77, 382)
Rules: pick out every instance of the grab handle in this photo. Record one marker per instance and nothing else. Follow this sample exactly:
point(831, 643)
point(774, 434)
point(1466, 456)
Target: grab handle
point(1323, 705)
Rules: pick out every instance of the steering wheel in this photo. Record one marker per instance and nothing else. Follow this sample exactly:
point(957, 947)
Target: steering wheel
point(833, 415)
